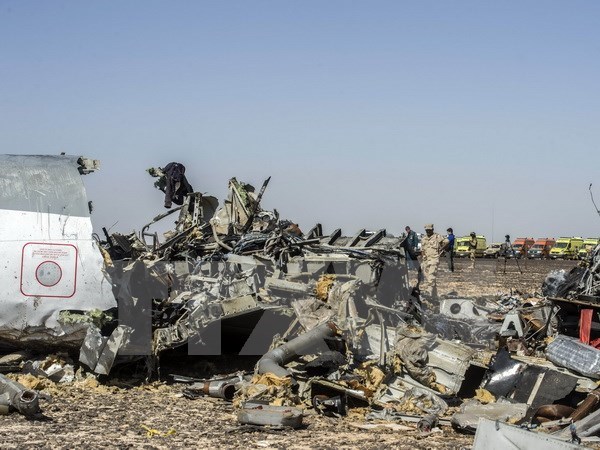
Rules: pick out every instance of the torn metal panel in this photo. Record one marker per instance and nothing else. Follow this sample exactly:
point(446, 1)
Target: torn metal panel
point(431, 360)
point(504, 374)
point(57, 368)
point(527, 383)
point(99, 352)
point(540, 386)
point(51, 261)
point(238, 305)
point(87, 165)
point(276, 416)
point(424, 400)
point(573, 354)
point(584, 384)
point(395, 388)
point(461, 308)
point(42, 184)
point(118, 339)
point(449, 362)
point(12, 362)
point(284, 286)
point(512, 325)
point(494, 435)
point(473, 332)
point(310, 312)
point(245, 262)
point(92, 347)
point(237, 209)
point(470, 414)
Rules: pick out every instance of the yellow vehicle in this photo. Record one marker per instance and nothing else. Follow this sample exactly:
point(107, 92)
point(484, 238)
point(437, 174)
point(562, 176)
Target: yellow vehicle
point(589, 245)
point(461, 247)
point(566, 248)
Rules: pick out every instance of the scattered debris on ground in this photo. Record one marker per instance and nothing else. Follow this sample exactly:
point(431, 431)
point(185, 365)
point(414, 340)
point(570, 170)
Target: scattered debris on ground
point(336, 329)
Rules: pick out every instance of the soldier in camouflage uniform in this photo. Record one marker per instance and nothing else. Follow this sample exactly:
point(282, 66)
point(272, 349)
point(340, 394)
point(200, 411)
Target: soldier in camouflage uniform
point(432, 245)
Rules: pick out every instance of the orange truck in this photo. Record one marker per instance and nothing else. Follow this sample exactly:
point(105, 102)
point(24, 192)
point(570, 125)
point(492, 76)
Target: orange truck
point(520, 248)
point(541, 248)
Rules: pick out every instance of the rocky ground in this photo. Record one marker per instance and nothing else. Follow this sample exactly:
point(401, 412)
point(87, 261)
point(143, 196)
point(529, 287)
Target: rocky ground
point(126, 414)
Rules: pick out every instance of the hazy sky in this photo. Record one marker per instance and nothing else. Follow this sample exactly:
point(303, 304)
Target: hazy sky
point(479, 115)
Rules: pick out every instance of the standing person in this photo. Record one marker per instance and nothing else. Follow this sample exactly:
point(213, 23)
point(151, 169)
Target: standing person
point(472, 248)
point(450, 249)
point(432, 246)
point(412, 246)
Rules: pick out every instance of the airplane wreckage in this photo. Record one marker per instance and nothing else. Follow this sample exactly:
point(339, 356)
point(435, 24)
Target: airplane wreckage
point(237, 265)
point(332, 319)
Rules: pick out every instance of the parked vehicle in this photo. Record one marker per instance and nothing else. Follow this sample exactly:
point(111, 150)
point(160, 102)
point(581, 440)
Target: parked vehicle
point(589, 244)
point(566, 248)
point(461, 247)
point(541, 248)
point(520, 248)
point(495, 250)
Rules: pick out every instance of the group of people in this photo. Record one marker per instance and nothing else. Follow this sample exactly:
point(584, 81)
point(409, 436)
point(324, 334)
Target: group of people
point(433, 246)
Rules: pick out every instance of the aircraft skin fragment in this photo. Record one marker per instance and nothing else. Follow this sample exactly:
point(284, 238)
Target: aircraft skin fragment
point(49, 258)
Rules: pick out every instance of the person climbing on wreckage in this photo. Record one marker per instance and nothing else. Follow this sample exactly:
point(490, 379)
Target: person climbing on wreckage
point(432, 247)
point(173, 182)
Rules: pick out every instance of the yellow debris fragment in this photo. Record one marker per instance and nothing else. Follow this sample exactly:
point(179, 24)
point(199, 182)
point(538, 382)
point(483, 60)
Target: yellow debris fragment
point(484, 396)
point(270, 379)
point(323, 286)
point(152, 432)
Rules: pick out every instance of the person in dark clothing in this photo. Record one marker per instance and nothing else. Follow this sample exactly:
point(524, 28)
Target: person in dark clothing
point(450, 249)
point(176, 184)
point(411, 247)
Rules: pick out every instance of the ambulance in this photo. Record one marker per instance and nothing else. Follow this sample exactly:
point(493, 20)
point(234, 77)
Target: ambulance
point(541, 248)
point(566, 248)
point(461, 246)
